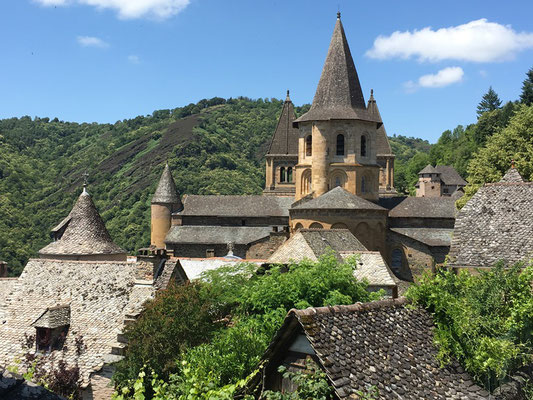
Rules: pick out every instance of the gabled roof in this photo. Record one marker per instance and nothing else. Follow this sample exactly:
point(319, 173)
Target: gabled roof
point(495, 224)
point(382, 142)
point(425, 207)
point(53, 317)
point(237, 206)
point(85, 232)
point(449, 176)
point(193, 268)
point(166, 191)
point(512, 175)
point(337, 198)
point(428, 169)
point(440, 237)
point(372, 268)
point(384, 344)
point(312, 243)
point(285, 138)
point(207, 234)
point(338, 95)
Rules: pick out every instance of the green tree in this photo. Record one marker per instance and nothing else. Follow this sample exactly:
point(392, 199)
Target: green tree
point(489, 102)
point(526, 97)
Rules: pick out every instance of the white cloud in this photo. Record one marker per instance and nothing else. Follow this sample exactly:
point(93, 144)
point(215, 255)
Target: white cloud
point(92, 41)
point(477, 41)
point(129, 9)
point(444, 77)
point(134, 59)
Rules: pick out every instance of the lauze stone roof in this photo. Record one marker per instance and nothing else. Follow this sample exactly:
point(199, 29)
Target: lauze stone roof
point(166, 191)
point(237, 206)
point(285, 138)
point(207, 234)
point(382, 142)
point(424, 207)
point(496, 224)
point(85, 232)
point(383, 344)
point(15, 387)
point(337, 198)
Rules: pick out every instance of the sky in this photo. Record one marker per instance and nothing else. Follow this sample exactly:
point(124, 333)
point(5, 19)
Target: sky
point(428, 62)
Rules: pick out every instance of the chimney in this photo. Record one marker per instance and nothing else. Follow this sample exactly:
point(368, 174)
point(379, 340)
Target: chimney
point(150, 262)
point(3, 269)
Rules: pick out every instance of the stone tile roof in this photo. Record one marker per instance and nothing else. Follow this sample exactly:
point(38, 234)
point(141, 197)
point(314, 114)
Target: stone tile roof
point(237, 206)
point(429, 236)
point(195, 267)
point(424, 207)
point(53, 317)
point(85, 233)
point(166, 191)
point(337, 198)
point(383, 344)
point(382, 142)
point(312, 243)
point(449, 176)
point(338, 95)
point(6, 286)
point(285, 138)
point(372, 267)
point(512, 175)
point(428, 169)
point(210, 234)
point(495, 224)
point(99, 293)
point(15, 387)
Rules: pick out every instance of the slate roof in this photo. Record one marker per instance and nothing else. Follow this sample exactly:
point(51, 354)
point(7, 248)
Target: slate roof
point(449, 176)
point(337, 198)
point(382, 343)
point(428, 169)
point(382, 142)
point(53, 317)
point(512, 175)
point(6, 286)
point(285, 138)
point(100, 294)
point(313, 243)
point(85, 233)
point(424, 207)
point(15, 387)
point(372, 268)
point(237, 206)
point(166, 191)
point(211, 234)
point(429, 236)
point(195, 267)
point(338, 95)
point(496, 223)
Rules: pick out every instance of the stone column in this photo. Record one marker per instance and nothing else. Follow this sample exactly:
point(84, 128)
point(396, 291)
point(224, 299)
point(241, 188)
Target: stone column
point(320, 160)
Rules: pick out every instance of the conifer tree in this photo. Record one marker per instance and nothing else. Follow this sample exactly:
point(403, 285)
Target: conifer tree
point(527, 89)
point(489, 102)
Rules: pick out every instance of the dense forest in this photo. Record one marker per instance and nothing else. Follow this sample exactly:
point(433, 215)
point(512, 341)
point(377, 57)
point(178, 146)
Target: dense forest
point(215, 146)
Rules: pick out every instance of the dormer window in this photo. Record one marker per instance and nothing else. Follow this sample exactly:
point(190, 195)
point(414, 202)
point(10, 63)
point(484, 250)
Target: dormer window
point(52, 328)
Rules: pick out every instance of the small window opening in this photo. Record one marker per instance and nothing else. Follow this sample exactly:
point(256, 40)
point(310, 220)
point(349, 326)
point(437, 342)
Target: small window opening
point(282, 175)
point(309, 145)
point(340, 145)
point(289, 174)
point(210, 253)
point(363, 146)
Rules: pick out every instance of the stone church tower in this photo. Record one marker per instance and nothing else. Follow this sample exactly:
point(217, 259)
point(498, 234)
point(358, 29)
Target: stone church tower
point(282, 155)
point(166, 201)
point(337, 139)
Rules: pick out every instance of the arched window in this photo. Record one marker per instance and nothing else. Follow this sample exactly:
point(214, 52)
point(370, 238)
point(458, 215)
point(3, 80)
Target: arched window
point(309, 145)
point(298, 226)
point(316, 225)
point(340, 145)
point(289, 174)
point(306, 182)
point(363, 146)
point(339, 225)
point(396, 260)
point(363, 185)
point(282, 175)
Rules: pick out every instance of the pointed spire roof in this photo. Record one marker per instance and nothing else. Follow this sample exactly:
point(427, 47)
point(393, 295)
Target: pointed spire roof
point(84, 232)
point(285, 138)
point(338, 95)
point(382, 142)
point(166, 191)
point(512, 175)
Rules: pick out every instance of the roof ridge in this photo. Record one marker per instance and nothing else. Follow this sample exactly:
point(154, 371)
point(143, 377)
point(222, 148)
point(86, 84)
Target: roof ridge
point(356, 307)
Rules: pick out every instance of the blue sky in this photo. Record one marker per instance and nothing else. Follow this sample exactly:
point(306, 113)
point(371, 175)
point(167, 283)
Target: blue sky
point(106, 60)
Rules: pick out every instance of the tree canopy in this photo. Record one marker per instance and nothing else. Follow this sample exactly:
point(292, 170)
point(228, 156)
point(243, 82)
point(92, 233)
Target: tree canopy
point(489, 102)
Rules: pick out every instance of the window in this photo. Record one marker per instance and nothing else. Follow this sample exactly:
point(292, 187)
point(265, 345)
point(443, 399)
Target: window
point(298, 226)
point(289, 174)
point(306, 182)
point(363, 146)
point(48, 339)
point(282, 175)
point(340, 145)
point(308, 145)
point(210, 253)
point(338, 181)
point(316, 225)
point(363, 185)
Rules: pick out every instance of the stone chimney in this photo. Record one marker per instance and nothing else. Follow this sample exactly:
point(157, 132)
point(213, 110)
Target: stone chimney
point(3, 269)
point(150, 262)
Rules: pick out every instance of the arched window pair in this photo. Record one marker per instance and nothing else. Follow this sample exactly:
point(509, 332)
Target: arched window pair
point(285, 174)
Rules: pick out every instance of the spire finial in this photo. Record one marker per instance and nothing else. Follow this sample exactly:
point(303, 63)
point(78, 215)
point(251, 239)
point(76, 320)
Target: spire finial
point(288, 97)
point(512, 163)
point(338, 15)
point(85, 182)
point(371, 92)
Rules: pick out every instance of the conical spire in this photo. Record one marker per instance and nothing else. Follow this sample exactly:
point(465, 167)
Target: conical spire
point(84, 233)
point(382, 142)
point(166, 191)
point(338, 95)
point(512, 175)
point(285, 138)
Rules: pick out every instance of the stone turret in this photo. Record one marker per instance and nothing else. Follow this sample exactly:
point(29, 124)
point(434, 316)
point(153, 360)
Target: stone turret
point(82, 235)
point(282, 155)
point(337, 141)
point(166, 201)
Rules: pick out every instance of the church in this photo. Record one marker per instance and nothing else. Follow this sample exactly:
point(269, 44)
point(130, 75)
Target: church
point(331, 168)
